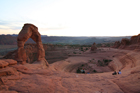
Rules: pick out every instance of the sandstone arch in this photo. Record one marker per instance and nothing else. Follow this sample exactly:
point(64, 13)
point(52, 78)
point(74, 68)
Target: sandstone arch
point(29, 31)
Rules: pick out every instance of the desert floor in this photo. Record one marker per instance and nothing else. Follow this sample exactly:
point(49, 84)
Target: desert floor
point(61, 76)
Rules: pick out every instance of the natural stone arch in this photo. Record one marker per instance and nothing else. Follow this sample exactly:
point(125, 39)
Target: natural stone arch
point(29, 31)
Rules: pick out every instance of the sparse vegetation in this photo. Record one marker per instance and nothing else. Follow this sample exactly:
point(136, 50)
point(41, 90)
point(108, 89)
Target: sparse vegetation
point(89, 60)
point(81, 49)
point(82, 65)
point(86, 48)
point(105, 62)
point(94, 71)
point(78, 70)
point(74, 53)
point(100, 63)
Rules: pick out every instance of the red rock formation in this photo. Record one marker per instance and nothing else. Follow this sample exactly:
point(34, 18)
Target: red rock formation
point(3, 64)
point(10, 61)
point(124, 42)
point(7, 71)
point(116, 44)
point(132, 44)
point(6, 62)
point(138, 40)
point(29, 31)
point(93, 47)
point(135, 39)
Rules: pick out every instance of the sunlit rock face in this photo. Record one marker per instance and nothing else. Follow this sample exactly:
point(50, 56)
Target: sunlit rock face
point(29, 31)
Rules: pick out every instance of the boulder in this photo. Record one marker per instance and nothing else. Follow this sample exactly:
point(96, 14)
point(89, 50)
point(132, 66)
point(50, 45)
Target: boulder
point(3, 63)
point(7, 71)
point(10, 61)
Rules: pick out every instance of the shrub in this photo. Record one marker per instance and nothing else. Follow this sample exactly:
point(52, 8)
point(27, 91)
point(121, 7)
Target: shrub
point(74, 52)
point(106, 61)
point(94, 71)
point(78, 70)
point(100, 63)
point(81, 49)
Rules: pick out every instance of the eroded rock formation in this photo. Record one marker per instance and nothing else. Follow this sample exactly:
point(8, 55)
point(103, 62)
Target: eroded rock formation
point(29, 31)
point(116, 44)
point(93, 47)
point(124, 42)
point(135, 39)
point(131, 44)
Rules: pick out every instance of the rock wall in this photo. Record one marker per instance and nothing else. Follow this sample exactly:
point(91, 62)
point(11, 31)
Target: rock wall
point(131, 44)
point(116, 44)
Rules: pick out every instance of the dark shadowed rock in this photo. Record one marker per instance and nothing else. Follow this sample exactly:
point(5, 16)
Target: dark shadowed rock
point(124, 42)
point(116, 44)
point(93, 47)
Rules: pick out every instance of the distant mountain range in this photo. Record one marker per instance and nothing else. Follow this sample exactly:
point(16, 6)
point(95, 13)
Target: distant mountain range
point(12, 39)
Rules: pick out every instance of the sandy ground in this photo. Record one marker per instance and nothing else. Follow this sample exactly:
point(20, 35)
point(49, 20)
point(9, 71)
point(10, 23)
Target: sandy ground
point(60, 77)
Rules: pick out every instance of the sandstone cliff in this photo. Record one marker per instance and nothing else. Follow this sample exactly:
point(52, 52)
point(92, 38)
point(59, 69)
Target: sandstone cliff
point(131, 44)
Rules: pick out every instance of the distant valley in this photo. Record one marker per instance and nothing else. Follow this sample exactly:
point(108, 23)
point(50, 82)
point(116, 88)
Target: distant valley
point(12, 40)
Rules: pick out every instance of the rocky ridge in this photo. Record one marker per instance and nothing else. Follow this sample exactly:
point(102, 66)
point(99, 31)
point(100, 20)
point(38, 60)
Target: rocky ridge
point(131, 44)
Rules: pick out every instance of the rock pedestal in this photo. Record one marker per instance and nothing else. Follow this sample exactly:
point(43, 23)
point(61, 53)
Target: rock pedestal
point(93, 47)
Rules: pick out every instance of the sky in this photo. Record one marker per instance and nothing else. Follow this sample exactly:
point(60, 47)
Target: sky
point(72, 17)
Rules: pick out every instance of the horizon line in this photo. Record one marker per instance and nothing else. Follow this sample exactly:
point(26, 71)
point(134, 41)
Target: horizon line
point(75, 36)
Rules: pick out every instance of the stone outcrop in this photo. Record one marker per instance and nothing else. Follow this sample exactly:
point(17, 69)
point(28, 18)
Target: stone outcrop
point(93, 47)
point(124, 42)
point(132, 44)
point(3, 64)
point(135, 39)
point(116, 44)
point(29, 31)
point(7, 71)
point(10, 61)
point(7, 62)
